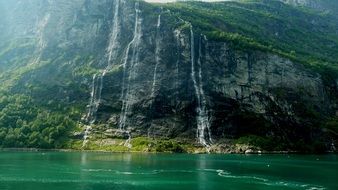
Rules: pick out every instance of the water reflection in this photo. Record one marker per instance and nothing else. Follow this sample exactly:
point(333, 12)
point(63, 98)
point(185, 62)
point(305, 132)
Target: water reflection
point(103, 171)
point(83, 158)
point(202, 176)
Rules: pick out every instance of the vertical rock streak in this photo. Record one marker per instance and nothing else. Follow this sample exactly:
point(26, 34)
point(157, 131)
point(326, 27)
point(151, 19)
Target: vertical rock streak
point(157, 55)
point(41, 38)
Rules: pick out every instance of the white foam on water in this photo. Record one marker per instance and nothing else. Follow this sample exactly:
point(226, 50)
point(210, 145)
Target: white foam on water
point(154, 172)
point(265, 181)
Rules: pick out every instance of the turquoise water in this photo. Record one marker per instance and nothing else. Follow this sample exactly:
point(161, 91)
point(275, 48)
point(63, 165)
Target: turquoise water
point(110, 171)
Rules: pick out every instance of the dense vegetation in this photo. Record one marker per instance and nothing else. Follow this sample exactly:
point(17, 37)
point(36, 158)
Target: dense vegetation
point(28, 125)
point(299, 33)
point(35, 112)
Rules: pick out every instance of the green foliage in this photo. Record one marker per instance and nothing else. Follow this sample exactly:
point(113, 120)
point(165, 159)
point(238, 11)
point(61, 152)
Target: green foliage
point(16, 47)
point(332, 125)
point(265, 143)
point(111, 148)
point(139, 144)
point(25, 125)
point(299, 34)
point(169, 146)
point(316, 146)
point(142, 144)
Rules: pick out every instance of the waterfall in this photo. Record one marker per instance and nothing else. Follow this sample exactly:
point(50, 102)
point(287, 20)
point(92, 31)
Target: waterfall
point(126, 95)
point(157, 55)
point(205, 117)
point(97, 81)
point(94, 101)
point(113, 43)
point(88, 128)
point(178, 41)
point(203, 123)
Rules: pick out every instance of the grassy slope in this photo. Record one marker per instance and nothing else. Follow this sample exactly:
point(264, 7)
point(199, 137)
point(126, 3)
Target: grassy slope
point(300, 34)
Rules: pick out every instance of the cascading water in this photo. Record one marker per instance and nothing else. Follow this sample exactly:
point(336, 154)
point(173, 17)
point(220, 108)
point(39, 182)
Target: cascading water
point(94, 101)
point(178, 39)
point(157, 55)
point(97, 83)
point(90, 115)
point(157, 60)
point(205, 114)
point(113, 42)
point(203, 123)
point(127, 96)
point(88, 128)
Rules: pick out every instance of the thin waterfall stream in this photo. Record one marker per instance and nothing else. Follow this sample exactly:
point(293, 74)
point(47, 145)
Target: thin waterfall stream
point(157, 55)
point(202, 118)
point(126, 95)
point(97, 81)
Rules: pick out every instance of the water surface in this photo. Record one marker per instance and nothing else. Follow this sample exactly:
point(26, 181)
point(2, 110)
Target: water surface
point(110, 171)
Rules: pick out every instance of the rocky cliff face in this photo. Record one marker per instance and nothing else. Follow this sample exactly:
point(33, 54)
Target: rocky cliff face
point(321, 5)
point(142, 71)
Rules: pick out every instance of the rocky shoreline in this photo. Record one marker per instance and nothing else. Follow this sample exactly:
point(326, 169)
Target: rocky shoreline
point(197, 151)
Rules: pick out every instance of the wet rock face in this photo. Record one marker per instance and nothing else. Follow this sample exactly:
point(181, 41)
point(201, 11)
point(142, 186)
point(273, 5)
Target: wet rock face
point(145, 82)
point(235, 83)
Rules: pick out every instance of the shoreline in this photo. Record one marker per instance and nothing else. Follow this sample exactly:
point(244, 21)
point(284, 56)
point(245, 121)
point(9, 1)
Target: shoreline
point(143, 152)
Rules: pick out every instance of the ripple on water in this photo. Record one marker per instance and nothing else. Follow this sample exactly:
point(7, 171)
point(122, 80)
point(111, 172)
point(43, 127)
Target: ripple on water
point(221, 173)
point(265, 181)
point(47, 180)
point(121, 172)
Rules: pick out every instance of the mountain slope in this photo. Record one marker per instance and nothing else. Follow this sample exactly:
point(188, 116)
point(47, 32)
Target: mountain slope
point(121, 75)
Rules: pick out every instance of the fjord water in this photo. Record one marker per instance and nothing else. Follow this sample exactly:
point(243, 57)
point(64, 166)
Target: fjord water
point(110, 171)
